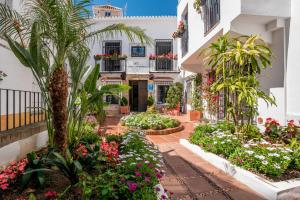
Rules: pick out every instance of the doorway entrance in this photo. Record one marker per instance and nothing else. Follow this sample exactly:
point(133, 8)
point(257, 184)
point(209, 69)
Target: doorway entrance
point(138, 96)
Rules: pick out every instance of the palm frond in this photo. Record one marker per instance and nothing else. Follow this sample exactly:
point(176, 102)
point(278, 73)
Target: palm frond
point(133, 33)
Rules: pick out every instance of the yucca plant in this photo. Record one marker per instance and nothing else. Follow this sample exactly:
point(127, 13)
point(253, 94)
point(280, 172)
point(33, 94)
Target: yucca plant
point(50, 35)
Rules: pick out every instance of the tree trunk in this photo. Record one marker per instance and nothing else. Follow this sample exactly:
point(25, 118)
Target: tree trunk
point(58, 89)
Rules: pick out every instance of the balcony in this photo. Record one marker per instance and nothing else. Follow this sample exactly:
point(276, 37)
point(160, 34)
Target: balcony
point(211, 14)
point(163, 65)
point(108, 65)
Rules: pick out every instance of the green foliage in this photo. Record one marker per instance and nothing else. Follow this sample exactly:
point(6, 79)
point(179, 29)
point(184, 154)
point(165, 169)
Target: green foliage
point(34, 171)
point(150, 101)
point(68, 166)
point(174, 95)
point(295, 146)
point(111, 138)
point(271, 161)
point(249, 132)
point(149, 121)
point(197, 100)
point(124, 101)
point(237, 63)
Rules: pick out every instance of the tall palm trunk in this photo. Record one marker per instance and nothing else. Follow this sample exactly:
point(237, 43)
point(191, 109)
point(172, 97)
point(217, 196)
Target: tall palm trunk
point(58, 89)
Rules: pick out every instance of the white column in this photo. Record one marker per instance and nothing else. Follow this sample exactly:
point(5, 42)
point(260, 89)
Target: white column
point(293, 64)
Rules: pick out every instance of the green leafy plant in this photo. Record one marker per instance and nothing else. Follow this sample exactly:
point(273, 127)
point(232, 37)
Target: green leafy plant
point(69, 167)
point(124, 101)
point(150, 101)
point(34, 171)
point(197, 101)
point(249, 132)
point(237, 62)
point(174, 95)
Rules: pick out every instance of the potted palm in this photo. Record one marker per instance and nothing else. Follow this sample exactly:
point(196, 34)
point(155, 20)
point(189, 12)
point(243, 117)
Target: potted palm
point(124, 108)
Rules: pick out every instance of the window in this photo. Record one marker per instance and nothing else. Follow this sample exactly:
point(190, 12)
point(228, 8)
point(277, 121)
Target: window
point(107, 14)
point(138, 51)
point(164, 47)
point(162, 91)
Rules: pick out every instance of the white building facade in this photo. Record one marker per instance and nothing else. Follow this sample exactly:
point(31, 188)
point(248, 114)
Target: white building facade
point(276, 21)
point(140, 66)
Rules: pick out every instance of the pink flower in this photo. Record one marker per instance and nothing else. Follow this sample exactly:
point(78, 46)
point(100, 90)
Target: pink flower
point(132, 186)
point(138, 174)
point(147, 179)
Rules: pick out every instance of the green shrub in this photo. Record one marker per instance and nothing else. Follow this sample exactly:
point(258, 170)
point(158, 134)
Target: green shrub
point(124, 101)
point(249, 132)
point(150, 101)
point(111, 138)
point(149, 121)
point(174, 95)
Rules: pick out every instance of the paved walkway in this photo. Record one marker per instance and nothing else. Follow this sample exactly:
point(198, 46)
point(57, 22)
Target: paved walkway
point(187, 175)
point(190, 177)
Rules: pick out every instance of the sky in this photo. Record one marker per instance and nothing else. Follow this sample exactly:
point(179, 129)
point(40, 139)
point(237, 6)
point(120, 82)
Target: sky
point(143, 7)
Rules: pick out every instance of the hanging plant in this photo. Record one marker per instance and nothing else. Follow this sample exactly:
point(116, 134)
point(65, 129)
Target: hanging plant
point(198, 5)
point(180, 30)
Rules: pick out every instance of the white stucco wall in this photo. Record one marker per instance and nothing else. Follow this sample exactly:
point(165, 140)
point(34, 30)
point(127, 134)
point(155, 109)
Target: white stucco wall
point(155, 27)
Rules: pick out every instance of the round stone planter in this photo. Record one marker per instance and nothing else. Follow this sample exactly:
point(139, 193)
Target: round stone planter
point(164, 131)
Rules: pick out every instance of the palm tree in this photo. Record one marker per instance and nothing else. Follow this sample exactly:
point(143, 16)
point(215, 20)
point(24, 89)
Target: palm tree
point(45, 39)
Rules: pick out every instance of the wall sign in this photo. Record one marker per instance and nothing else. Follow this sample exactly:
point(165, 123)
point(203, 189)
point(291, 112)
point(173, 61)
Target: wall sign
point(150, 87)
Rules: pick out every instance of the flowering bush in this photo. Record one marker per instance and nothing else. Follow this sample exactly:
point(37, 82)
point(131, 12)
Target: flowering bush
point(168, 56)
point(273, 129)
point(10, 173)
point(134, 177)
point(110, 56)
point(263, 157)
point(180, 30)
point(149, 121)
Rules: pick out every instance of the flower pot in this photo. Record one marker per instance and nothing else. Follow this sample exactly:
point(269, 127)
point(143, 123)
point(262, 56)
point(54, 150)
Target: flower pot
point(194, 115)
point(124, 109)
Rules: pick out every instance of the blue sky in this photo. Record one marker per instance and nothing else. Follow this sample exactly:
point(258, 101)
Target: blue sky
point(144, 7)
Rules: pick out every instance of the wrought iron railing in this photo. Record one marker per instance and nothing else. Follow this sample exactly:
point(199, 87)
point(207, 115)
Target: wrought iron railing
point(163, 65)
point(211, 14)
point(20, 108)
point(113, 65)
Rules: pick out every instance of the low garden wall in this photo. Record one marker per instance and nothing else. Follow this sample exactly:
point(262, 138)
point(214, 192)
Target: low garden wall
point(164, 131)
point(16, 143)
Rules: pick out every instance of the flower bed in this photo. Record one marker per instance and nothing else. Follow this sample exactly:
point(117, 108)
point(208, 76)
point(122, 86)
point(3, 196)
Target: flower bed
point(270, 161)
point(124, 167)
point(147, 121)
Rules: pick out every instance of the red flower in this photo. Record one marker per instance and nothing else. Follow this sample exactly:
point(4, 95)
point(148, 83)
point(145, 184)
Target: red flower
point(260, 120)
point(51, 195)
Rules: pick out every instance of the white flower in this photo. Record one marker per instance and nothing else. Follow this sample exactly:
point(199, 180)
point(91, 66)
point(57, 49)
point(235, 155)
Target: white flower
point(246, 145)
point(222, 142)
point(215, 142)
point(277, 166)
point(250, 152)
point(265, 162)
point(261, 157)
point(274, 154)
point(287, 158)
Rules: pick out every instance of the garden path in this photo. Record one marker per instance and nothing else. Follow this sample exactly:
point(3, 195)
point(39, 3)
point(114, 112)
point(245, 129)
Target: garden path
point(190, 177)
point(187, 175)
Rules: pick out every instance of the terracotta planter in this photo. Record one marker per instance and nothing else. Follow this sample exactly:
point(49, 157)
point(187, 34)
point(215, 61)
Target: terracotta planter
point(194, 115)
point(124, 109)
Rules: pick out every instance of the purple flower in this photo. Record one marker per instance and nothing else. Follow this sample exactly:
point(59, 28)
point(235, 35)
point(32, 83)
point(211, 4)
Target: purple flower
point(157, 189)
point(150, 165)
point(163, 196)
point(138, 174)
point(147, 179)
point(132, 186)
point(158, 175)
